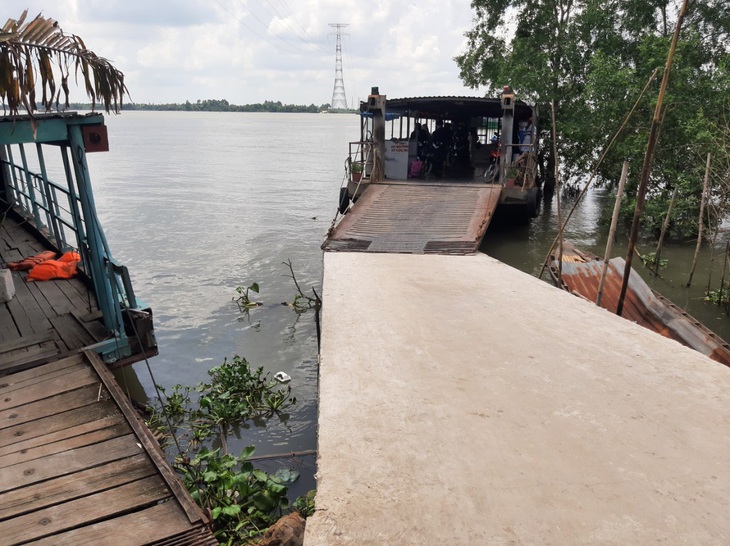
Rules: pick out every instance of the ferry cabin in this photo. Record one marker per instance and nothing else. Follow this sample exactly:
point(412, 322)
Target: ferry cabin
point(464, 139)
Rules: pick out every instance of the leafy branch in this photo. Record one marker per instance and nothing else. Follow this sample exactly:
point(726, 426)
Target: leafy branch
point(243, 300)
point(301, 300)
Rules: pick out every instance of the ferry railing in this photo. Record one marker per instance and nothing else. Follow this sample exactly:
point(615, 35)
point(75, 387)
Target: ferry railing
point(359, 160)
point(521, 166)
point(64, 213)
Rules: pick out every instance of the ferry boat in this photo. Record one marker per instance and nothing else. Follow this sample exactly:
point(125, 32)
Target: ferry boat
point(423, 162)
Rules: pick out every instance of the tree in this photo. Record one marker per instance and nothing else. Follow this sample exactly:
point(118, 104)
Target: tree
point(35, 50)
point(591, 59)
point(541, 60)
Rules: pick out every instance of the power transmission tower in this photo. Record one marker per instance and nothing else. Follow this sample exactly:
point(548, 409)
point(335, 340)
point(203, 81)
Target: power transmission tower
point(339, 100)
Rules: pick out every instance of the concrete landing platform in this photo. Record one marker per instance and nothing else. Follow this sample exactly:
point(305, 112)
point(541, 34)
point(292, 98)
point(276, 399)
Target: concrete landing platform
point(463, 402)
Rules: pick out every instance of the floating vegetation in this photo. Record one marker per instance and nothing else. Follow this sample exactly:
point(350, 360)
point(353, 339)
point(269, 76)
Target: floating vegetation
point(243, 300)
point(649, 260)
point(240, 500)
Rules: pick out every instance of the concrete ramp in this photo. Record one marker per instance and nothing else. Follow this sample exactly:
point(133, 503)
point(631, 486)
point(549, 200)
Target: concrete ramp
point(463, 402)
point(446, 218)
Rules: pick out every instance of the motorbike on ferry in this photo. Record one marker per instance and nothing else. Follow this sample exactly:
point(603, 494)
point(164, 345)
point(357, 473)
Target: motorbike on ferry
point(491, 173)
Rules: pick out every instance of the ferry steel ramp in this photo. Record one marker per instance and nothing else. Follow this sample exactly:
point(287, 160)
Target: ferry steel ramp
point(464, 402)
point(79, 466)
point(417, 218)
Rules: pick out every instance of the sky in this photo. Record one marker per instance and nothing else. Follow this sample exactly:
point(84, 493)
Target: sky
point(249, 51)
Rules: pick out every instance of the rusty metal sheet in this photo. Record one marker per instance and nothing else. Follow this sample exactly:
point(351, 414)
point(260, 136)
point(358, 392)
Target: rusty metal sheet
point(581, 275)
point(417, 218)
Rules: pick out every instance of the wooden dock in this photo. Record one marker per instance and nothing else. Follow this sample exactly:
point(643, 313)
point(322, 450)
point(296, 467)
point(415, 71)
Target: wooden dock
point(44, 320)
point(50, 319)
point(417, 217)
point(79, 466)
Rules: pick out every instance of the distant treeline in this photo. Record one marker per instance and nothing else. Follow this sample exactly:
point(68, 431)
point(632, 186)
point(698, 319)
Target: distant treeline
point(220, 106)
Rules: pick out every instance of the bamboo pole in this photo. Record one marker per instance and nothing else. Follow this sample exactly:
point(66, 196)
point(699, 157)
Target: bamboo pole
point(701, 224)
point(612, 231)
point(665, 226)
point(722, 279)
point(557, 191)
point(646, 169)
point(727, 300)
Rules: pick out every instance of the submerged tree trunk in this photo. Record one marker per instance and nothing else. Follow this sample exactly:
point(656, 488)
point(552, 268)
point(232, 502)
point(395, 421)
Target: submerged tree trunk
point(700, 225)
point(665, 226)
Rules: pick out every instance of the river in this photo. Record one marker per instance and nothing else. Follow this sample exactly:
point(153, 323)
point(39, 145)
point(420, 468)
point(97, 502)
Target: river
point(196, 204)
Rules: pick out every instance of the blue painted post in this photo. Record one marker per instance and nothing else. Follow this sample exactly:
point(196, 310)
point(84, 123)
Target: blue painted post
point(73, 205)
point(99, 273)
point(7, 175)
point(21, 195)
point(31, 191)
point(50, 202)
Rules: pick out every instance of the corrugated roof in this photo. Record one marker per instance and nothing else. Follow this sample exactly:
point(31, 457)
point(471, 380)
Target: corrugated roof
point(453, 107)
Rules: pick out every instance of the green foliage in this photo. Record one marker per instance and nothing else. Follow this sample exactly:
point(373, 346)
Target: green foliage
point(593, 59)
point(241, 501)
point(649, 260)
point(236, 394)
point(305, 505)
point(300, 304)
point(222, 105)
point(719, 297)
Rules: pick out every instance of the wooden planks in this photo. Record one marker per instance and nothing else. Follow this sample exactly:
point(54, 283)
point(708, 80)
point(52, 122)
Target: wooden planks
point(66, 516)
point(78, 466)
point(152, 526)
point(63, 311)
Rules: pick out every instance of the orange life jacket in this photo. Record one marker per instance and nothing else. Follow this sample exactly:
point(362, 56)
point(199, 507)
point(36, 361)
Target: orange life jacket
point(31, 262)
point(63, 268)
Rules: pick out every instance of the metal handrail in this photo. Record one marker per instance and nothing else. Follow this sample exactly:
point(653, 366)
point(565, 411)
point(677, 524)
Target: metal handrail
point(57, 212)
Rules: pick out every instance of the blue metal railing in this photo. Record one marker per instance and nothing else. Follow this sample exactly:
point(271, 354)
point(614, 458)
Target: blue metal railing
point(65, 214)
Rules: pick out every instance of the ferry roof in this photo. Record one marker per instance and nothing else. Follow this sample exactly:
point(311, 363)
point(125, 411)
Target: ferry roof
point(453, 107)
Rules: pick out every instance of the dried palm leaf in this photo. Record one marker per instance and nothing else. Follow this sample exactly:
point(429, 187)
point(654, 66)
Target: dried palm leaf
point(33, 52)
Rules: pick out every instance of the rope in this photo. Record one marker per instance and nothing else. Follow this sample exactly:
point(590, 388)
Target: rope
point(157, 389)
point(345, 177)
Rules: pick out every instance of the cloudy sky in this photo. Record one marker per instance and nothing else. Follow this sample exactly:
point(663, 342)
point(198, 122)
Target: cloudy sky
point(248, 51)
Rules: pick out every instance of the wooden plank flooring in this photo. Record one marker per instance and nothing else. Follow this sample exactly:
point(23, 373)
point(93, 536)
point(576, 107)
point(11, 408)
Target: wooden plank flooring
point(417, 218)
point(79, 467)
point(45, 320)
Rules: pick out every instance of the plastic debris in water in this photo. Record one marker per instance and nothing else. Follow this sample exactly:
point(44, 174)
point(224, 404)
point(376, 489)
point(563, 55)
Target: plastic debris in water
point(281, 377)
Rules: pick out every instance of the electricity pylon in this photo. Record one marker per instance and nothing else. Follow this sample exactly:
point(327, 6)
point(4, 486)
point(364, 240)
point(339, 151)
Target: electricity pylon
point(339, 100)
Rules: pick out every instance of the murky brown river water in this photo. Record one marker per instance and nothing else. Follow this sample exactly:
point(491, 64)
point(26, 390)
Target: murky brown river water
point(196, 204)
